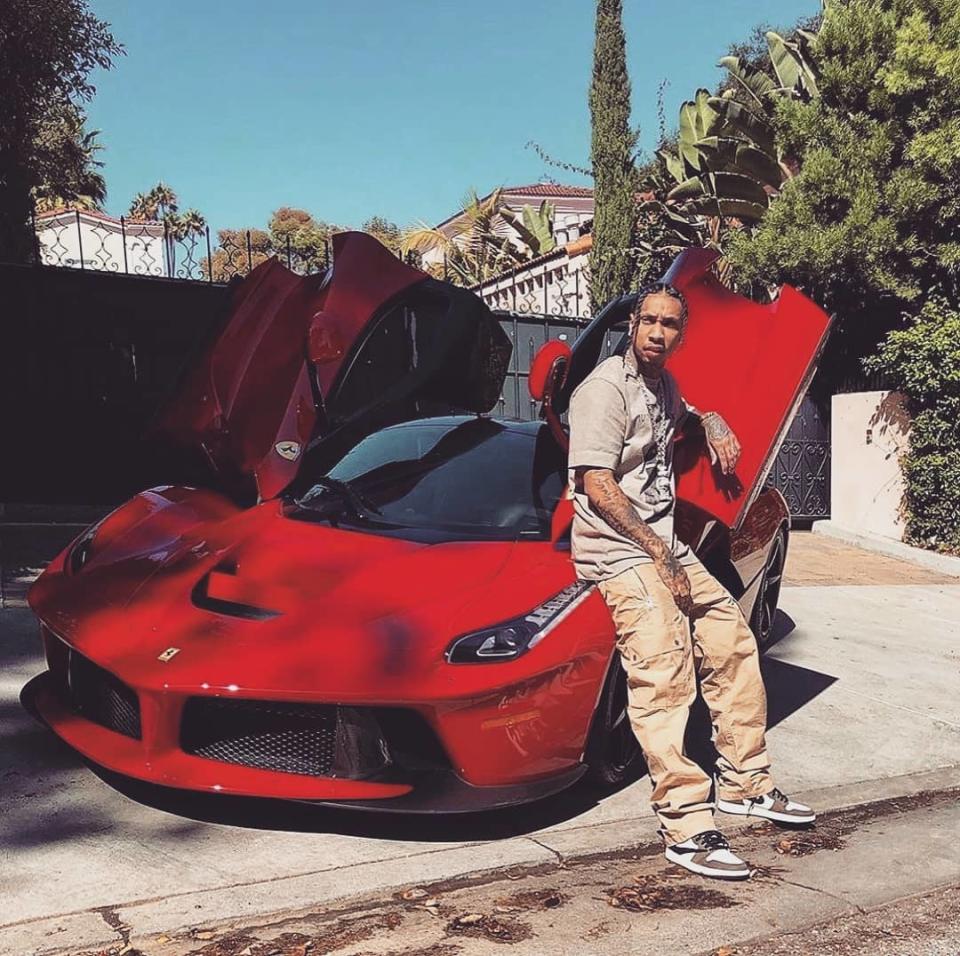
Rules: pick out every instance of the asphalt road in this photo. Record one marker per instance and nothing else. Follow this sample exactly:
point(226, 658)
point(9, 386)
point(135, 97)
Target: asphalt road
point(862, 687)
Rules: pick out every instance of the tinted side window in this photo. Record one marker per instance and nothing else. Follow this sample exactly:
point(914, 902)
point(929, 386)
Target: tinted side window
point(387, 354)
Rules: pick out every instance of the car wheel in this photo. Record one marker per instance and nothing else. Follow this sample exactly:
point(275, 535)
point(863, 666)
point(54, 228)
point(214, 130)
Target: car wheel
point(765, 608)
point(612, 750)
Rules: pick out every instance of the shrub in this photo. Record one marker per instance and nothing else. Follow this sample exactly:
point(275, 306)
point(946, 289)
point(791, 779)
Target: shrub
point(923, 361)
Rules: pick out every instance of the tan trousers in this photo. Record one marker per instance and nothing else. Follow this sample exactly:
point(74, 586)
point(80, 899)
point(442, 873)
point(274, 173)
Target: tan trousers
point(660, 649)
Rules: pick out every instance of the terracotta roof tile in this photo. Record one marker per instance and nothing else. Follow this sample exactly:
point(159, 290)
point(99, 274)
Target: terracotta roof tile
point(92, 214)
point(583, 244)
point(548, 190)
point(533, 190)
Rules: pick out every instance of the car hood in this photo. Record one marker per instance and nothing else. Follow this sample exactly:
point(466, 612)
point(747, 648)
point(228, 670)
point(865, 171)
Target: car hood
point(281, 369)
point(261, 600)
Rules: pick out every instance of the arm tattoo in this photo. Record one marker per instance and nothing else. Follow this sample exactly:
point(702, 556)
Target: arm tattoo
point(609, 501)
point(714, 426)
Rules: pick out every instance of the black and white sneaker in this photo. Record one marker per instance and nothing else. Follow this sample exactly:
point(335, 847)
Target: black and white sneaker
point(708, 854)
point(775, 805)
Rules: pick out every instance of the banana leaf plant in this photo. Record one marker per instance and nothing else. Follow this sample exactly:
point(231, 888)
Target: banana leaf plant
point(534, 227)
point(726, 162)
point(480, 246)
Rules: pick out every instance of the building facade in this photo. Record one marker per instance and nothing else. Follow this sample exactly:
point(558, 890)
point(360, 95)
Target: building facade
point(557, 283)
point(572, 214)
point(89, 239)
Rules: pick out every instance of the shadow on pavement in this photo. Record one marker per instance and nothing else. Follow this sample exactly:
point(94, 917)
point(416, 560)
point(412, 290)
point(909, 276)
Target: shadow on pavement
point(789, 687)
point(783, 626)
point(35, 758)
point(25, 550)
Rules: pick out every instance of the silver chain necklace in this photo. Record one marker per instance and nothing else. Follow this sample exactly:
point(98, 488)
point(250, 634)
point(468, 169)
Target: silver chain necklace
point(660, 492)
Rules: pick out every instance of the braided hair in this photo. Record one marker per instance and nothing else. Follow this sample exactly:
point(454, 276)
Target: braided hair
point(664, 288)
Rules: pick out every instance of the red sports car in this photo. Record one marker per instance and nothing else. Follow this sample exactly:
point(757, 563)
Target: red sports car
point(377, 607)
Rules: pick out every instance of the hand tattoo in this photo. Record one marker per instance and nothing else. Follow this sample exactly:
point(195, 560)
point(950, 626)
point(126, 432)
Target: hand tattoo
point(714, 426)
point(722, 442)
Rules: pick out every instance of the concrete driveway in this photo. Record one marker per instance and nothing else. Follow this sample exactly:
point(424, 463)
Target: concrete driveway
point(862, 687)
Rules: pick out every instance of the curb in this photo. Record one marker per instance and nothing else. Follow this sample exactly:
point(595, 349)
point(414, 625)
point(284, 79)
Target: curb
point(943, 563)
point(90, 929)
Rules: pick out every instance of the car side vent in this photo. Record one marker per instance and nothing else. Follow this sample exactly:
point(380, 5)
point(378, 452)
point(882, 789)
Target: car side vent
point(97, 695)
point(209, 594)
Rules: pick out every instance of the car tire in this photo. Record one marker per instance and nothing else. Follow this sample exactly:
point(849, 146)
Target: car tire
point(613, 754)
point(764, 612)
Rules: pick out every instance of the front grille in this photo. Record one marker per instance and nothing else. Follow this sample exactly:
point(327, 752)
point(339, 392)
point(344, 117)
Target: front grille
point(293, 738)
point(94, 693)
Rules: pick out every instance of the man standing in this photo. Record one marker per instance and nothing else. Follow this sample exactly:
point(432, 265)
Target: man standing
point(673, 619)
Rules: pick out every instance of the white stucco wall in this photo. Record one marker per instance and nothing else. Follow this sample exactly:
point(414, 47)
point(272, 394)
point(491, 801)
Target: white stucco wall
point(64, 236)
point(869, 432)
point(555, 285)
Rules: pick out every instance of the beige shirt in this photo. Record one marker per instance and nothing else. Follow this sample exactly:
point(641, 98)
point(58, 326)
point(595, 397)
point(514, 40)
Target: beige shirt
point(612, 425)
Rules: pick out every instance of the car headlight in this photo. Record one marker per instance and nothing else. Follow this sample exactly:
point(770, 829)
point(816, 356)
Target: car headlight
point(511, 639)
point(81, 549)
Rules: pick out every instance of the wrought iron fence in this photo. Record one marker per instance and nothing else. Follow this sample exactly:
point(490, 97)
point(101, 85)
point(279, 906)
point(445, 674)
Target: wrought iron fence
point(555, 284)
point(559, 283)
point(89, 240)
point(556, 289)
point(801, 470)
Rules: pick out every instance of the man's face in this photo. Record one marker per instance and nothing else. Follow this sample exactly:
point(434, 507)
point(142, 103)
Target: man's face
point(657, 329)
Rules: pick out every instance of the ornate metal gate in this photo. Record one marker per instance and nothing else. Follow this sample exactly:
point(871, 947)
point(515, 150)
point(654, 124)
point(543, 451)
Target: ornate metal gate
point(801, 470)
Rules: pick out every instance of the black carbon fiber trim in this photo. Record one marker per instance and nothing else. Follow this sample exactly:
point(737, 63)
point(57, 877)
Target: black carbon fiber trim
point(99, 696)
point(293, 738)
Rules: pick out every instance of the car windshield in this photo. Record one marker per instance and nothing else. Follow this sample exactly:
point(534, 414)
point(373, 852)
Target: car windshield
point(474, 479)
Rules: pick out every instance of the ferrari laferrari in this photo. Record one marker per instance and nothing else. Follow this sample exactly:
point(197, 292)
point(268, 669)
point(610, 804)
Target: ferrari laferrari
point(364, 594)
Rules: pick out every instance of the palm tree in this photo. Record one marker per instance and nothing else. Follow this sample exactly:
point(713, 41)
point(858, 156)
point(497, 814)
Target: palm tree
point(155, 204)
point(183, 225)
point(140, 208)
point(481, 245)
point(165, 199)
point(93, 185)
point(161, 204)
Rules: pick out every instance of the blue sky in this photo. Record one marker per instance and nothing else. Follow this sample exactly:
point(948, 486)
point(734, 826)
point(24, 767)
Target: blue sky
point(352, 109)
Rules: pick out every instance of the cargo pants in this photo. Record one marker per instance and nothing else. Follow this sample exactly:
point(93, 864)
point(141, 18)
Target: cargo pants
point(662, 652)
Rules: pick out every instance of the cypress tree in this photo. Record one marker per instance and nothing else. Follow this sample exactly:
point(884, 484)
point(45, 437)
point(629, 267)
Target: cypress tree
point(612, 147)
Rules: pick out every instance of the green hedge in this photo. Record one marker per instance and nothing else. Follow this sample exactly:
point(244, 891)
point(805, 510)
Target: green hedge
point(923, 361)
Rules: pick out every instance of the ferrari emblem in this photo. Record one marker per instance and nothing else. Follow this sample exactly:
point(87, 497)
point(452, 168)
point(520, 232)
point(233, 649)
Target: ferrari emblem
point(288, 449)
point(169, 654)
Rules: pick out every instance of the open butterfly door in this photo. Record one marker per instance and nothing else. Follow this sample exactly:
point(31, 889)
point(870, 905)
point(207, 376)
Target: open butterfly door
point(751, 363)
point(298, 357)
